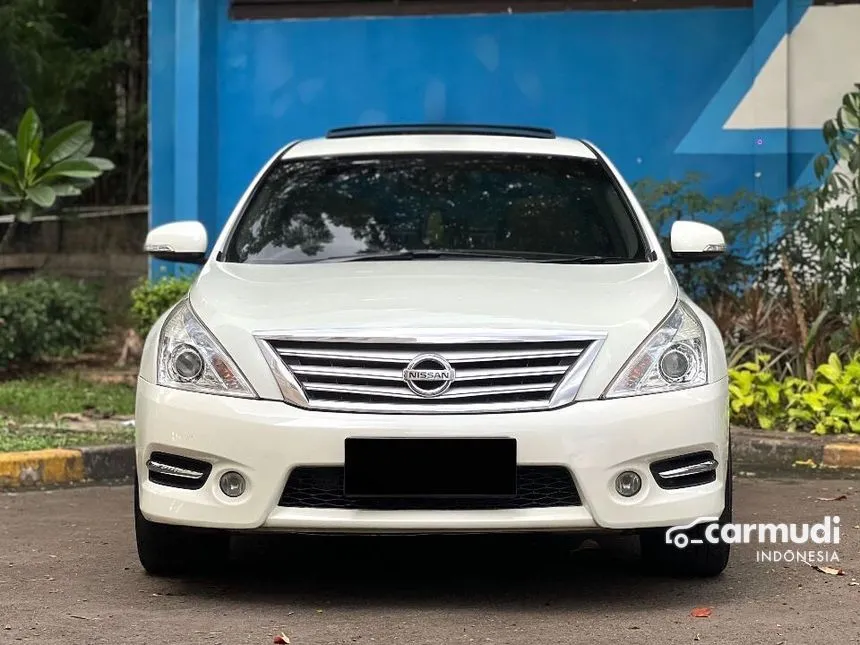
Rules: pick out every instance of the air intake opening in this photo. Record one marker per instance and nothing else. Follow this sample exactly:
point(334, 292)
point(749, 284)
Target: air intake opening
point(177, 471)
point(692, 469)
point(323, 487)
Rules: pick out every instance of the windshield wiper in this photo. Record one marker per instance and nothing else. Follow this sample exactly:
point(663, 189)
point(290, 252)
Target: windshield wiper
point(590, 259)
point(437, 254)
point(431, 254)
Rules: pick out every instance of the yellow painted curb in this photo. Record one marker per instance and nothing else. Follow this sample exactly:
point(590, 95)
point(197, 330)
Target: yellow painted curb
point(842, 455)
point(36, 467)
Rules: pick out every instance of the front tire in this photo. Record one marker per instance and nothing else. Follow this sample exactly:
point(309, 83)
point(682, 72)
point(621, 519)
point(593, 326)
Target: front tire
point(704, 560)
point(167, 550)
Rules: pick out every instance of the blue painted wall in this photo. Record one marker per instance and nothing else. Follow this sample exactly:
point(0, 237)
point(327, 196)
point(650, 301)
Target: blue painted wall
point(652, 88)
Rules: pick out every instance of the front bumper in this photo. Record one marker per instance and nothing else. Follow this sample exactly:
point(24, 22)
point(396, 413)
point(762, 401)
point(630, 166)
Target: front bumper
point(596, 440)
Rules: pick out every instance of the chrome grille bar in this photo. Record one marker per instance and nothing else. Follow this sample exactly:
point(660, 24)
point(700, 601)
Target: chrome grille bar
point(364, 355)
point(430, 406)
point(504, 372)
point(346, 372)
point(397, 375)
point(404, 393)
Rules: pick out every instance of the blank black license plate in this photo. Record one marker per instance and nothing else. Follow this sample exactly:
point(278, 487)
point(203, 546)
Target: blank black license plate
point(479, 467)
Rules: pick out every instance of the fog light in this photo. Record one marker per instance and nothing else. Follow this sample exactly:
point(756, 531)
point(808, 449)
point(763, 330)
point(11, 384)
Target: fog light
point(232, 484)
point(628, 483)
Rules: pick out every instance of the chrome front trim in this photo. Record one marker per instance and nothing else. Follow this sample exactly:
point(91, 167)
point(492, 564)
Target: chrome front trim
point(287, 383)
point(427, 335)
point(407, 408)
point(397, 375)
point(693, 469)
point(174, 471)
point(400, 356)
point(350, 370)
point(401, 394)
point(571, 382)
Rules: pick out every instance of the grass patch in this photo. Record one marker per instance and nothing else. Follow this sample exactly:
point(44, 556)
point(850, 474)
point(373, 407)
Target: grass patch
point(13, 440)
point(43, 397)
point(63, 411)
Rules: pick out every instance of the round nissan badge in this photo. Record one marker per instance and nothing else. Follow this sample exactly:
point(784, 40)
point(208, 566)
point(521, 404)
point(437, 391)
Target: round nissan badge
point(429, 375)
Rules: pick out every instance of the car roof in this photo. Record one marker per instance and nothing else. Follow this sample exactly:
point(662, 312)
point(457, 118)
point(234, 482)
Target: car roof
point(403, 139)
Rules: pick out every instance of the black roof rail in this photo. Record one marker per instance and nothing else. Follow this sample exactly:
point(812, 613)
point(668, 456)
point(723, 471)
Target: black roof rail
point(431, 128)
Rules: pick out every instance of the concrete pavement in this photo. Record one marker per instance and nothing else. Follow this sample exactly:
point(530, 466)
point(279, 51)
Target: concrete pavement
point(69, 574)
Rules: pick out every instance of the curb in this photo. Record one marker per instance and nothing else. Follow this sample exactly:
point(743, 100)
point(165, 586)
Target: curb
point(782, 452)
point(842, 455)
point(61, 466)
point(753, 451)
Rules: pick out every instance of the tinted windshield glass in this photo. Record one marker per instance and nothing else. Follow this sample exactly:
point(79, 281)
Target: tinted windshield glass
point(321, 208)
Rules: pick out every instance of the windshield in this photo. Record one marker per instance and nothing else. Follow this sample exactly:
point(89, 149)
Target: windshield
point(509, 206)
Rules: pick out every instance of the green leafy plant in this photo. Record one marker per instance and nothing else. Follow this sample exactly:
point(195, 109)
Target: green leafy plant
point(822, 245)
point(36, 170)
point(833, 228)
point(41, 318)
point(74, 60)
point(151, 298)
point(755, 393)
point(839, 167)
point(829, 403)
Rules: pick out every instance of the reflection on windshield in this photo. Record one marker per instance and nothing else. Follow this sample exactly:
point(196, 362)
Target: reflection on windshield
point(314, 209)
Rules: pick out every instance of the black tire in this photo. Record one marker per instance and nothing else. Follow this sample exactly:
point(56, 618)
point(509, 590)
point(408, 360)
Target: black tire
point(167, 550)
point(704, 560)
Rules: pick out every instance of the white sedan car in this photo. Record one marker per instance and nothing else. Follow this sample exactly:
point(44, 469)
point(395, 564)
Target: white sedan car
point(425, 329)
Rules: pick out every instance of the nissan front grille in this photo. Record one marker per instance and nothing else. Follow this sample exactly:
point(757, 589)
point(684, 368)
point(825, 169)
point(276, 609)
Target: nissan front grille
point(430, 374)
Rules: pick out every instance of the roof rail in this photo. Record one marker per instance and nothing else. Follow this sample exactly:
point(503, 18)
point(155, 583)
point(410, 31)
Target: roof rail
point(430, 128)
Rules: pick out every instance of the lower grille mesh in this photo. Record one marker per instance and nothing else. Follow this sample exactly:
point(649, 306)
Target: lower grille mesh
point(537, 487)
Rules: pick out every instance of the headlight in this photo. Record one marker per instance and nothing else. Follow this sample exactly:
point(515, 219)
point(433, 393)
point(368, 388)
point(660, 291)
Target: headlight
point(673, 357)
point(189, 358)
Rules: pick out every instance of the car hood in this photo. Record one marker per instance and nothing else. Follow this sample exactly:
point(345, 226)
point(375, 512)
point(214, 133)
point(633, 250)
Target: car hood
point(624, 301)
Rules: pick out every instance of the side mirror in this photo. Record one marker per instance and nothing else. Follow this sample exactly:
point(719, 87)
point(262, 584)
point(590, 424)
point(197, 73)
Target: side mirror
point(695, 242)
point(178, 242)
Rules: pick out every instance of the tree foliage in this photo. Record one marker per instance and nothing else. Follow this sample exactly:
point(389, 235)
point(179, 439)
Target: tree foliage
point(35, 170)
point(839, 167)
point(75, 61)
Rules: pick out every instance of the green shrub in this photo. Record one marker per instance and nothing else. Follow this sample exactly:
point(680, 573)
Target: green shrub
point(151, 298)
point(827, 404)
point(755, 394)
point(42, 318)
point(830, 404)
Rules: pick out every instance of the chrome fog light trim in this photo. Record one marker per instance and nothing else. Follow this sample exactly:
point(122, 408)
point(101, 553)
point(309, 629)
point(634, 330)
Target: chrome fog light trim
point(173, 471)
point(693, 469)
